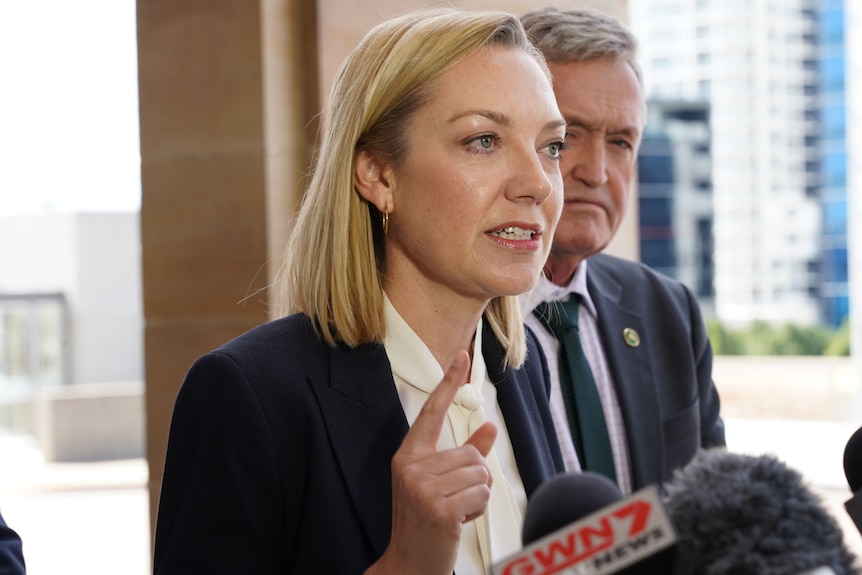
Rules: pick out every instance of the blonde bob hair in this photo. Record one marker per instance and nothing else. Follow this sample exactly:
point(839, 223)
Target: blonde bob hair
point(334, 259)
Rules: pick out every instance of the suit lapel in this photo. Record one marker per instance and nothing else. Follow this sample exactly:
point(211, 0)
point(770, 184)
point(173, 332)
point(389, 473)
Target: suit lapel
point(632, 373)
point(517, 404)
point(366, 424)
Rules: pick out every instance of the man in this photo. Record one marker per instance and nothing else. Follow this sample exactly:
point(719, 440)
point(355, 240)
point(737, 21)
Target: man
point(11, 554)
point(642, 333)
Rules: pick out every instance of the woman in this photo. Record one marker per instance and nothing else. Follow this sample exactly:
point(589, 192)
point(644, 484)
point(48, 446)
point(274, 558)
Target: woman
point(332, 440)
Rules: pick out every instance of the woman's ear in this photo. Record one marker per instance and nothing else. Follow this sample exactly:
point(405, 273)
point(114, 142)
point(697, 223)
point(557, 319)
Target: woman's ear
point(373, 181)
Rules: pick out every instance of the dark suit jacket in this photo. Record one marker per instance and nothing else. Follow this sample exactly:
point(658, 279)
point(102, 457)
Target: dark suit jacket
point(280, 448)
point(664, 385)
point(11, 552)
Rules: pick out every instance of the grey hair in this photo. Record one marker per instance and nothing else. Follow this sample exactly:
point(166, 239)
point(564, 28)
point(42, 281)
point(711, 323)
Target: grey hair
point(580, 35)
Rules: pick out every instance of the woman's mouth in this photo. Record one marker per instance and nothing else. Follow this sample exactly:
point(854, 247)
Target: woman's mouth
point(514, 233)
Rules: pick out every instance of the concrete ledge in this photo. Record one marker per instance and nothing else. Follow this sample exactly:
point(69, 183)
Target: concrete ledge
point(104, 421)
point(90, 422)
point(788, 387)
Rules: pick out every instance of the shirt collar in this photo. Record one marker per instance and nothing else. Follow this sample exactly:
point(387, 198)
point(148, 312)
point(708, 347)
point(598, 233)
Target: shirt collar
point(413, 362)
point(546, 290)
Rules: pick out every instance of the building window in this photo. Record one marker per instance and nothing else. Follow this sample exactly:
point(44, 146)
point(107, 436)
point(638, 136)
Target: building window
point(32, 353)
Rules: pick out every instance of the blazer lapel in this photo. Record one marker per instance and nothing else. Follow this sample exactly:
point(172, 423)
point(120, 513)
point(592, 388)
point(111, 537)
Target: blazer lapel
point(632, 372)
point(515, 395)
point(366, 424)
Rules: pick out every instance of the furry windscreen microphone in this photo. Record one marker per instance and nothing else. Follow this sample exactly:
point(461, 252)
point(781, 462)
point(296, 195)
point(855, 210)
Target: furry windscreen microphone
point(751, 515)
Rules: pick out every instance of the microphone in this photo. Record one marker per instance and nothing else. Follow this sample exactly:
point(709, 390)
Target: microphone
point(853, 473)
point(738, 514)
point(579, 523)
point(564, 498)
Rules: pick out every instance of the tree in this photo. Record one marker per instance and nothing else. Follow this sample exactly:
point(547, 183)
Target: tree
point(724, 341)
point(761, 338)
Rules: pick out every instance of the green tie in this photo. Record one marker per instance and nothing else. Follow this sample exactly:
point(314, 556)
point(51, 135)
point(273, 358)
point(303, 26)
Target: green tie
point(583, 405)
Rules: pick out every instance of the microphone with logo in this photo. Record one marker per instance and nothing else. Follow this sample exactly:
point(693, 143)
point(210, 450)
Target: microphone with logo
point(741, 514)
point(580, 524)
point(853, 472)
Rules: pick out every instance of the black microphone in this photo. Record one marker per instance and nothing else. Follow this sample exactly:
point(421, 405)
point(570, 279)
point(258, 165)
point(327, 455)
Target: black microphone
point(742, 514)
point(853, 473)
point(565, 498)
point(580, 523)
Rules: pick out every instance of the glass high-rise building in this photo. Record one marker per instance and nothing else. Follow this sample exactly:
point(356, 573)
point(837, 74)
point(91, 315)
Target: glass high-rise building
point(675, 214)
point(831, 65)
point(762, 66)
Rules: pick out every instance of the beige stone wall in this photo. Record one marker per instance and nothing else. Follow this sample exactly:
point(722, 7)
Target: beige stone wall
point(228, 93)
point(203, 205)
point(344, 22)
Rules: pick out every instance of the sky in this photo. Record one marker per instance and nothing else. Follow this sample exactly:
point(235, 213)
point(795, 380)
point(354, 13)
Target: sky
point(69, 137)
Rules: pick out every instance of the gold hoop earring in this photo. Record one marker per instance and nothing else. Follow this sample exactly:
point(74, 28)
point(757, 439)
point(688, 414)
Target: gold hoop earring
point(385, 220)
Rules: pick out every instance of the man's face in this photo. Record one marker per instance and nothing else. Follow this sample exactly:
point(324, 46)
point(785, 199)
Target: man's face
point(604, 108)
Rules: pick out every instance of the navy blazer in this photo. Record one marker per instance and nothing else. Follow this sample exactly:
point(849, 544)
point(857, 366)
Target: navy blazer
point(11, 552)
point(668, 400)
point(280, 448)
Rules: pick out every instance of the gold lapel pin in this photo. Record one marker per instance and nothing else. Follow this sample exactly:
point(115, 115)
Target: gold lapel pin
point(631, 337)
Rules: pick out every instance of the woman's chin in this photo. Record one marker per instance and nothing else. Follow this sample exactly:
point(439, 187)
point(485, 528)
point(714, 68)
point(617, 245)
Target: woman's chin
point(518, 284)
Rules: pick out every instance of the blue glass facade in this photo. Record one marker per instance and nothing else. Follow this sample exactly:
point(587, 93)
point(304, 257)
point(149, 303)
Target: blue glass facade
point(655, 203)
point(833, 160)
point(675, 195)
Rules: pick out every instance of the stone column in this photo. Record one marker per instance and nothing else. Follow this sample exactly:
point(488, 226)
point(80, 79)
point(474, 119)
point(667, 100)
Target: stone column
point(227, 88)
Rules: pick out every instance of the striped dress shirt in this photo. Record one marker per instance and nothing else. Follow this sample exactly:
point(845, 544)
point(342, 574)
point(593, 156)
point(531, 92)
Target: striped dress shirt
point(588, 320)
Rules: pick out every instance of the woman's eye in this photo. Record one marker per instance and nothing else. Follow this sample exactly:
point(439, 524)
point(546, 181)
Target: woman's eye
point(486, 142)
point(556, 148)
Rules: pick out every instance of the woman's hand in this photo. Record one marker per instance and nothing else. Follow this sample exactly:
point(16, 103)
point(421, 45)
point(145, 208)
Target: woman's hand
point(435, 492)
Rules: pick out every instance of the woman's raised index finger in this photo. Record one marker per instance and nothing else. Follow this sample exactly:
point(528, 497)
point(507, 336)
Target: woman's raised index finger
point(423, 435)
